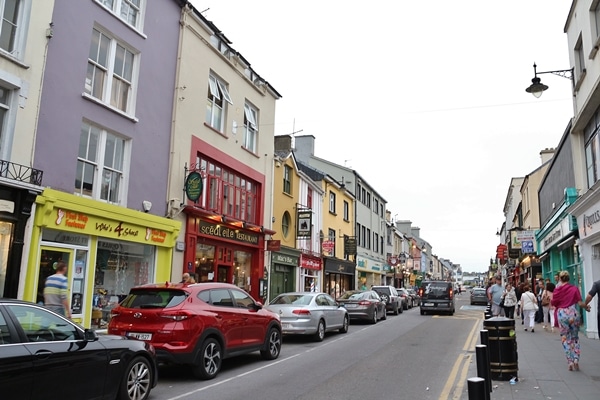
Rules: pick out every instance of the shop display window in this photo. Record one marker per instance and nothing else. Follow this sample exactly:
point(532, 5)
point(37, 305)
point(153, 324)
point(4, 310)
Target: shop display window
point(119, 267)
point(205, 257)
point(310, 278)
point(241, 272)
point(5, 241)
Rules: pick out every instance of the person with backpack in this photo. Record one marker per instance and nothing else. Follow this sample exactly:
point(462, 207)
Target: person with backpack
point(547, 306)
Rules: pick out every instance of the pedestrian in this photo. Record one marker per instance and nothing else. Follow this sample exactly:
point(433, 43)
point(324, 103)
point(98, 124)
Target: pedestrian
point(519, 292)
point(187, 278)
point(528, 307)
point(56, 290)
point(495, 297)
point(547, 307)
point(539, 315)
point(566, 298)
point(510, 301)
point(588, 298)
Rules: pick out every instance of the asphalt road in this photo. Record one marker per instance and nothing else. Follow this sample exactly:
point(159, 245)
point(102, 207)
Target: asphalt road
point(408, 356)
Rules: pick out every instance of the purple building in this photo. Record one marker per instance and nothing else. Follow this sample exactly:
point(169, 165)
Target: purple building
point(103, 141)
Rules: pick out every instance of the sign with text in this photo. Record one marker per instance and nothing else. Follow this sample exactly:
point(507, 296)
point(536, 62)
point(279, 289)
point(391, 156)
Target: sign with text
point(304, 223)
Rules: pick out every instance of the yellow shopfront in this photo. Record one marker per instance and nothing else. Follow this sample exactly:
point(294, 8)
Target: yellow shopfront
point(108, 249)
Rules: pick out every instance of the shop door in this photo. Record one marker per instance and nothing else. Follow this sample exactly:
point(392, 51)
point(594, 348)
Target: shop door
point(223, 274)
point(48, 257)
point(281, 282)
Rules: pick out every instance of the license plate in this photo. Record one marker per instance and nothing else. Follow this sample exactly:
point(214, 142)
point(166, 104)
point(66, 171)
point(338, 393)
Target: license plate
point(349, 305)
point(140, 336)
point(286, 326)
point(428, 304)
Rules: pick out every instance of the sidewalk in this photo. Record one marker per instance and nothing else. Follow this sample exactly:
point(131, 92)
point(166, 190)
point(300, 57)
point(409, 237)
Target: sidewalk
point(543, 369)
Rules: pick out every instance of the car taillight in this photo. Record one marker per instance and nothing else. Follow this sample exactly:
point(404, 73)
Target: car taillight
point(301, 312)
point(364, 303)
point(176, 315)
point(451, 293)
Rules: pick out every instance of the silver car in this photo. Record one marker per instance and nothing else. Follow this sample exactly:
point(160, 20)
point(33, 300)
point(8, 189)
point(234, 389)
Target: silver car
point(309, 313)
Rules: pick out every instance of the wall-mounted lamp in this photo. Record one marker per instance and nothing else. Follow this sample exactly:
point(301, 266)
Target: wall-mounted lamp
point(146, 205)
point(537, 87)
point(497, 232)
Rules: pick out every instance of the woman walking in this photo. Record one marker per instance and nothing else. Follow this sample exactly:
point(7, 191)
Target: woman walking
point(510, 301)
point(547, 307)
point(566, 299)
point(528, 307)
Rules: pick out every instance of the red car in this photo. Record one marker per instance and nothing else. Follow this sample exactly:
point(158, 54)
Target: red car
point(197, 324)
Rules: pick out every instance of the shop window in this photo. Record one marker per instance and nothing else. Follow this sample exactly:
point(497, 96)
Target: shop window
point(119, 267)
point(205, 257)
point(242, 262)
point(5, 242)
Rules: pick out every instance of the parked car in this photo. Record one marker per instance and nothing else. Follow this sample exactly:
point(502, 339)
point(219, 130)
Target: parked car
point(41, 351)
point(363, 305)
point(198, 324)
point(479, 296)
point(436, 297)
point(416, 300)
point(405, 298)
point(309, 313)
point(391, 297)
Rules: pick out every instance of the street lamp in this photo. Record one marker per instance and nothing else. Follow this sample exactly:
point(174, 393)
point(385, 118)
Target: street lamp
point(537, 87)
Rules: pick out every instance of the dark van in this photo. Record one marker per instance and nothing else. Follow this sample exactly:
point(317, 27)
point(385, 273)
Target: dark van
point(436, 297)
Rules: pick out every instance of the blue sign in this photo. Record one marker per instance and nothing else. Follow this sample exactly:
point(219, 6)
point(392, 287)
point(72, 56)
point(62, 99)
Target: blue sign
point(527, 246)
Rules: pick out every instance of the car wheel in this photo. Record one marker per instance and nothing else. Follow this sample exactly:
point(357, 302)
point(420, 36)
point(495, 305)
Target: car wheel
point(383, 314)
point(208, 364)
point(405, 306)
point(273, 345)
point(344, 328)
point(320, 333)
point(137, 381)
point(374, 320)
point(422, 312)
point(385, 298)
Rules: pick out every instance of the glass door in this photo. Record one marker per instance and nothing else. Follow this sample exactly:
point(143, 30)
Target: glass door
point(49, 258)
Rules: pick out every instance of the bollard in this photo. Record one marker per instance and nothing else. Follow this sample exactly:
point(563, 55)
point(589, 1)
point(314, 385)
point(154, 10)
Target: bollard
point(485, 340)
point(483, 369)
point(476, 389)
point(502, 348)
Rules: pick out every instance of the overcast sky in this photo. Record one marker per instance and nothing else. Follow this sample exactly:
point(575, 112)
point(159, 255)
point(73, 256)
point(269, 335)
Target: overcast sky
point(424, 99)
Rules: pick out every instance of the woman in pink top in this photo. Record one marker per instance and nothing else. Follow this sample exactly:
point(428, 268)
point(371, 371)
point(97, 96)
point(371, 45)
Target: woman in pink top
point(566, 300)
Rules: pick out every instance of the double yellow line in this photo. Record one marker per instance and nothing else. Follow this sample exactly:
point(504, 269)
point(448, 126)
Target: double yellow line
point(461, 364)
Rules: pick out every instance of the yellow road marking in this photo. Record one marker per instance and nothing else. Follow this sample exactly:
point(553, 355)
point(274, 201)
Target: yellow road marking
point(469, 343)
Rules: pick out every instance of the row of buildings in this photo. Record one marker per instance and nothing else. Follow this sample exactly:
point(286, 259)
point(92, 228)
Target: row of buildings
point(552, 214)
point(137, 144)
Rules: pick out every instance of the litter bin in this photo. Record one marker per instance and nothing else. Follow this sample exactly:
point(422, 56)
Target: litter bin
point(502, 348)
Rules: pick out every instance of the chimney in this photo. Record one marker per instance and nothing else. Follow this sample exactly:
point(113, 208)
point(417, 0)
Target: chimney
point(283, 143)
point(304, 147)
point(547, 154)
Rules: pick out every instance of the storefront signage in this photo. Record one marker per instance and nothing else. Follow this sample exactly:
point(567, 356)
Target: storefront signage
point(278, 258)
point(82, 223)
point(337, 266)
point(273, 245)
point(221, 231)
point(589, 220)
point(554, 236)
point(193, 186)
point(310, 263)
point(350, 246)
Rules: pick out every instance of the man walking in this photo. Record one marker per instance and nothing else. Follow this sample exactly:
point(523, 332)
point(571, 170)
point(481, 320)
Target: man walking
point(594, 291)
point(56, 289)
point(495, 297)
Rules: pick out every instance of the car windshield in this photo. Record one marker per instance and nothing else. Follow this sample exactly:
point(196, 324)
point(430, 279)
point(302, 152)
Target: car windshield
point(382, 290)
point(294, 299)
point(478, 291)
point(154, 298)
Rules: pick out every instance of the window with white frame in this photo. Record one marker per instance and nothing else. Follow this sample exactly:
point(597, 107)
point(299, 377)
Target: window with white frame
point(218, 95)
point(592, 149)
point(287, 179)
point(579, 58)
point(14, 15)
point(346, 211)
point(250, 128)
point(4, 111)
point(129, 11)
point(110, 72)
point(332, 202)
point(596, 12)
point(100, 164)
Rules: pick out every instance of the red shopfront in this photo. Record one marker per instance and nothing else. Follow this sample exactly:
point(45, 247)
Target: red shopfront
point(310, 272)
point(218, 251)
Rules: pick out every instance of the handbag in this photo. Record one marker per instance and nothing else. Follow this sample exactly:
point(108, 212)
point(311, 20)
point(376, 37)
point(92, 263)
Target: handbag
point(534, 301)
point(545, 299)
point(502, 302)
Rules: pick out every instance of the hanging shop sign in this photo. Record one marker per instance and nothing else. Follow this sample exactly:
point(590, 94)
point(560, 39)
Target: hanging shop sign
point(350, 246)
point(193, 186)
point(304, 223)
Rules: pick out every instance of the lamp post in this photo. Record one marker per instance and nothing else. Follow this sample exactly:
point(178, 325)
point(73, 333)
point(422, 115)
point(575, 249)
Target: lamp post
point(537, 87)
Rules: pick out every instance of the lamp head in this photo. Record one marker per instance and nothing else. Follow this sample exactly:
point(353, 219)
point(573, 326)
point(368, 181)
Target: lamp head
point(537, 87)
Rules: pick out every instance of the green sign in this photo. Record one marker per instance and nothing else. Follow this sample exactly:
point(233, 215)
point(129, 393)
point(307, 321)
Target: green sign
point(193, 186)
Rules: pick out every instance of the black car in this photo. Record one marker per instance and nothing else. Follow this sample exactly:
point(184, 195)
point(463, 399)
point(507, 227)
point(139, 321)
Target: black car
point(46, 356)
point(391, 298)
